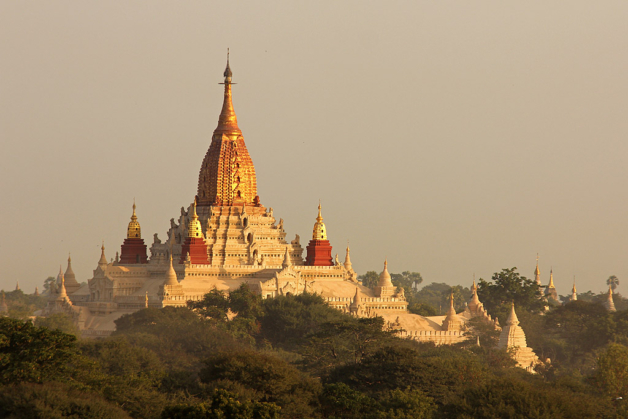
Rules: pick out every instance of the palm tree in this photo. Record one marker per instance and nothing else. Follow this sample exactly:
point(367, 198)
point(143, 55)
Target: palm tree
point(613, 282)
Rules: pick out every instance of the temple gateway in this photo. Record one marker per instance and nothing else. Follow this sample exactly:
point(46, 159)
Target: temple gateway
point(225, 237)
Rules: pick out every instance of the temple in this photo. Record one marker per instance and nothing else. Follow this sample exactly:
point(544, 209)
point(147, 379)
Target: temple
point(225, 237)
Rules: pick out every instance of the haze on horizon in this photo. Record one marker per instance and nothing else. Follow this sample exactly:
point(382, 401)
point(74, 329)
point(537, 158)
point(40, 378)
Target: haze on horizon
point(451, 137)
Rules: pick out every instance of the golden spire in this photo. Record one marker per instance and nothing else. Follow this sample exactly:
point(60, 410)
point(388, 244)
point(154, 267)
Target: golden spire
point(134, 231)
point(146, 300)
point(536, 271)
point(62, 292)
point(194, 228)
point(319, 232)
point(227, 120)
point(551, 283)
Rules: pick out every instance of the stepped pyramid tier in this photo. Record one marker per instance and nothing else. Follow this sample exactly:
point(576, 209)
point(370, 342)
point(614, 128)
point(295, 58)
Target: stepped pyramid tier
point(133, 250)
point(319, 249)
point(71, 284)
point(513, 338)
point(609, 304)
point(452, 320)
point(550, 290)
point(227, 175)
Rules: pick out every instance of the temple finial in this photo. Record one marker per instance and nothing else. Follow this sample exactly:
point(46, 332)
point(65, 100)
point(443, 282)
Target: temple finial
point(228, 72)
point(227, 120)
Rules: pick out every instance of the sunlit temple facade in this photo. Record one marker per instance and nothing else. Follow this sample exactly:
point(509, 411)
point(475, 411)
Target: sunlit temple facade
point(225, 237)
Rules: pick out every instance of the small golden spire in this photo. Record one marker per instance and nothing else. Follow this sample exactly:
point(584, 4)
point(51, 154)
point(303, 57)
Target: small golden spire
point(536, 271)
point(194, 228)
point(319, 232)
point(227, 120)
point(134, 231)
point(551, 282)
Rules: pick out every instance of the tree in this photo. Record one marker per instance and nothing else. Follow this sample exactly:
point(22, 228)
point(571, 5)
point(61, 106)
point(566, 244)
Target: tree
point(512, 397)
point(288, 319)
point(237, 311)
point(58, 321)
point(613, 282)
point(22, 305)
point(54, 400)
point(612, 374)
point(405, 404)
point(223, 405)
point(346, 341)
point(508, 287)
point(407, 280)
point(435, 295)
point(275, 380)
point(437, 374)
point(369, 279)
point(33, 354)
point(50, 283)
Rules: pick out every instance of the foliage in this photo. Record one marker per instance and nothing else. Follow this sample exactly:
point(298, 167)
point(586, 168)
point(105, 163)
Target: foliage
point(33, 354)
point(236, 311)
point(507, 287)
point(346, 341)
point(288, 319)
point(612, 282)
point(127, 375)
point(612, 372)
point(58, 321)
point(223, 405)
point(54, 400)
point(422, 309)
point(392, 368)
point(436, 295)
point(22, 306)
point(369, 279)
point(512, 397)
point(275, 380)
point(50, 283)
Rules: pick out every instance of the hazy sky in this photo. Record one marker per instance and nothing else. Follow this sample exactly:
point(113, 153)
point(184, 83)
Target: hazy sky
point(452, 137)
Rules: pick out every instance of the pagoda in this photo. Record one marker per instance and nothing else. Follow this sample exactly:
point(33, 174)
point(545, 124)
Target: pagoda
point(513, 338)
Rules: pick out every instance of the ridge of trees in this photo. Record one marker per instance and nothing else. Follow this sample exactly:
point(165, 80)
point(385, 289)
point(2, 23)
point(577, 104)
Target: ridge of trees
point(240, 356)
